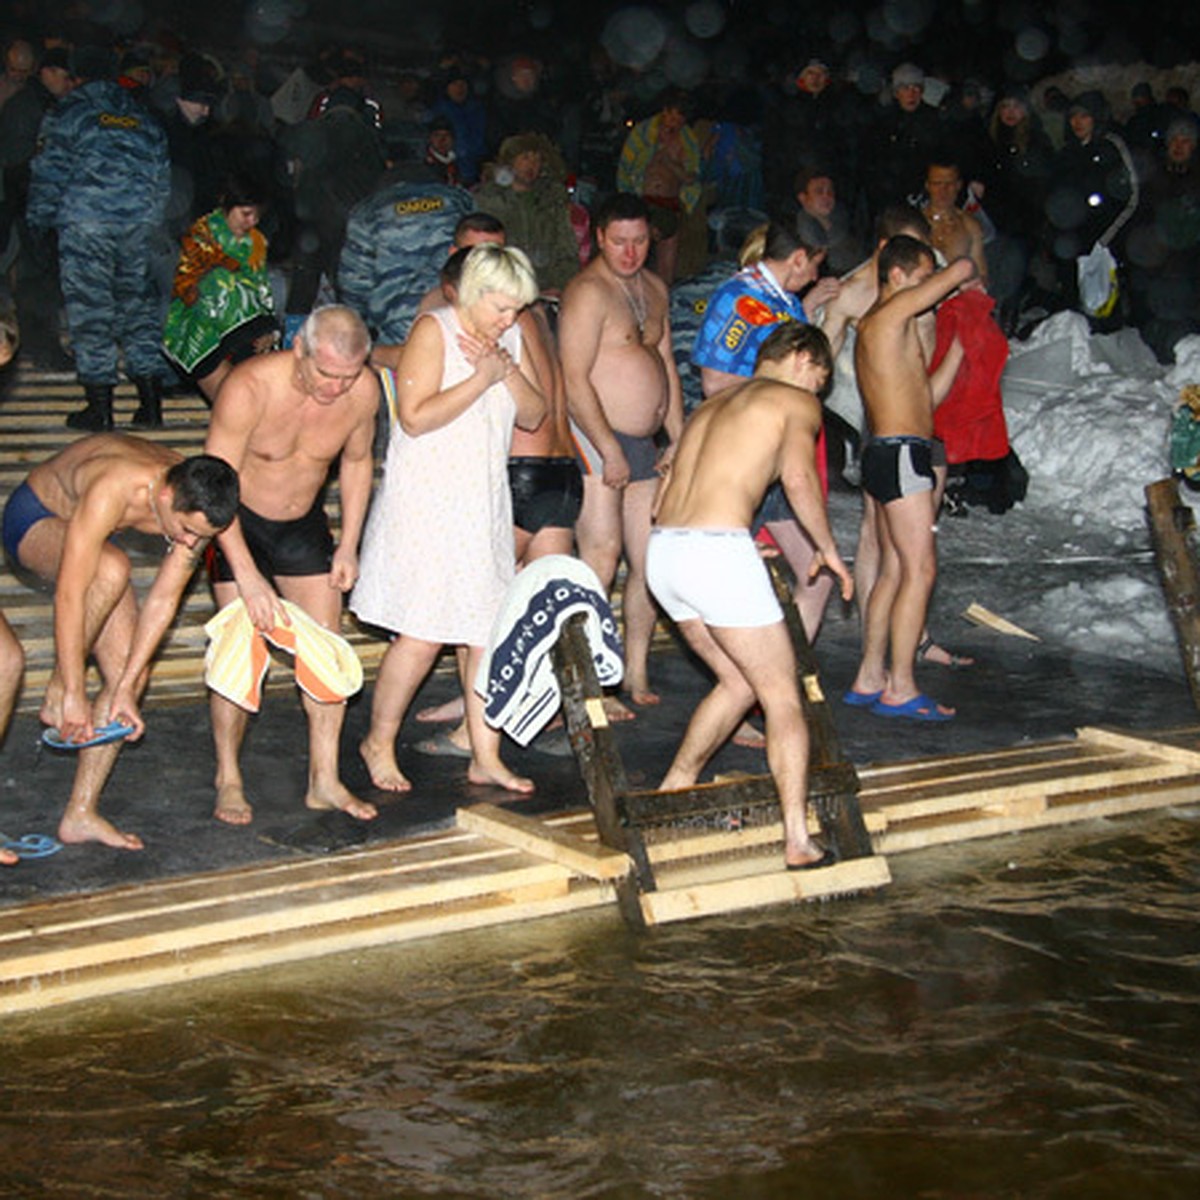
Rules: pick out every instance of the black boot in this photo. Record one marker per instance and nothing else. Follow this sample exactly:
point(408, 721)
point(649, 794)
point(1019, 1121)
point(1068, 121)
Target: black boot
point(149, 412)
point(97, 417)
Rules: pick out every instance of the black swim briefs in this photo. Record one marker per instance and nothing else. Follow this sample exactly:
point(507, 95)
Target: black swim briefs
point(893, 467)
point(546, 492)
point(303, 546)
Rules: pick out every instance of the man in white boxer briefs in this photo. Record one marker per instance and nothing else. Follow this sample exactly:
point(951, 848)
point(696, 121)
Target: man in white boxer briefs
point(703, 567)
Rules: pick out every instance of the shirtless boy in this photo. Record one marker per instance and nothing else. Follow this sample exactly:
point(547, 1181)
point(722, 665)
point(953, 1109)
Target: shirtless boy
point(705, 571)
point(897, 471)
point(57, 524)
point(622, 388)
point(282, 419)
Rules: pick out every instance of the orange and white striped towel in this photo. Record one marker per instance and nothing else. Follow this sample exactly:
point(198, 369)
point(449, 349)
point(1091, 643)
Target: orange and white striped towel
point(237, 658)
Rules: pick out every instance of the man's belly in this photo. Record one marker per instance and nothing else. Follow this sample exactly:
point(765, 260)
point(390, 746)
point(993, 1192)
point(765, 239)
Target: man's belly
point(633, 390)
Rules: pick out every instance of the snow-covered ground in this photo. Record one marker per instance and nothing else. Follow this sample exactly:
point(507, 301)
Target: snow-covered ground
point(1089, 417)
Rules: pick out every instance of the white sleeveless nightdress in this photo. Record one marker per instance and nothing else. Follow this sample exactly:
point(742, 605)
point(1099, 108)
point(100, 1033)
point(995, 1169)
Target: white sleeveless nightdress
point(437, 555)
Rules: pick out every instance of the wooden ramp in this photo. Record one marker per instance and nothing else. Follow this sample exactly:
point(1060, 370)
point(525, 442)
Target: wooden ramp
point(499, 866)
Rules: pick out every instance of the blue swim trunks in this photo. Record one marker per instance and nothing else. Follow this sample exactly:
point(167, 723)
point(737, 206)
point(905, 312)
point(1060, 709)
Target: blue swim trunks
point(22, 512)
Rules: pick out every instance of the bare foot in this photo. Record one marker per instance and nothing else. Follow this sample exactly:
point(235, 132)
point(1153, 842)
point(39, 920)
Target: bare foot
point(499, 776)
point(614, 710)
point(8, 858)
point(644, 697)
point(382, 767)
point(452, 710)
point(91, 827)
point(802, 854)
point(232, 807)
point(746, 735)
point(341, 798)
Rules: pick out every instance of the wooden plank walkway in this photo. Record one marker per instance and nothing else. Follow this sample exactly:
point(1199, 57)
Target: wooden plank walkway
point(499, 867)
point(32, 415)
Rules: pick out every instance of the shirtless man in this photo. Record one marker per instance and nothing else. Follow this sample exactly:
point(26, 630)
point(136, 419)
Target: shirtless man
point(622, 388)
point(898, 474)
point(57, 524)
point(839, 319)
point(282, 419)
point(705, 571)
point(953, 232)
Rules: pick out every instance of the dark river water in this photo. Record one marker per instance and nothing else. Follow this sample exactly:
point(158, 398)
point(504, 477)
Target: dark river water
point(1017, 1017)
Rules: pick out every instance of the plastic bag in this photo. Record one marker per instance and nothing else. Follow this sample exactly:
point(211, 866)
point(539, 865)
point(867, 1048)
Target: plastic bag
point(1097, 271)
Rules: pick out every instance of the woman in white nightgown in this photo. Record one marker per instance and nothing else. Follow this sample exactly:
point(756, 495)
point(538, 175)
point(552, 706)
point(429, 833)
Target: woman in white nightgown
point(437, 554)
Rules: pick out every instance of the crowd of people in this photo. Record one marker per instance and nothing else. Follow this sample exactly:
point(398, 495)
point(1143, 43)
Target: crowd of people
point(439, 256)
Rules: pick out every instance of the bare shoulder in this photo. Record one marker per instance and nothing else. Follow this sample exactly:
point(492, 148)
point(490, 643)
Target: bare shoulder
point(857, 294)
point(250, 382)
point(656, 288)
point(587, 290)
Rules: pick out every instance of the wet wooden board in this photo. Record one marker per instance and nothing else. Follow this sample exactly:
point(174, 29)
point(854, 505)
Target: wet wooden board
point(61, 950)
point(73, 948)
point(585, 857)
point(704, 890)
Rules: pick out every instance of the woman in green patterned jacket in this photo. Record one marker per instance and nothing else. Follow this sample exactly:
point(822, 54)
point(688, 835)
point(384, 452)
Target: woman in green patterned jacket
point(221, 305)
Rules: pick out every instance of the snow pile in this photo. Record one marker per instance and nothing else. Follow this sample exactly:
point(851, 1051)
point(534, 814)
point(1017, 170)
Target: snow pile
point(1089, 417)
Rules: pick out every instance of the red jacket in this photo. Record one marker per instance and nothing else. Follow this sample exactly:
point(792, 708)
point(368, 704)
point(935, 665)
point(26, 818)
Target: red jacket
point(970, 421)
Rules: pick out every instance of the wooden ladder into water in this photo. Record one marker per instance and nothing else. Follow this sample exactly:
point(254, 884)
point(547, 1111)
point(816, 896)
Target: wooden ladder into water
point(687, 855)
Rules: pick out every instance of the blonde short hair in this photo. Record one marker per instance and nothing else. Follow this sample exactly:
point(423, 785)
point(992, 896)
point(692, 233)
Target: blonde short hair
point(493, 268)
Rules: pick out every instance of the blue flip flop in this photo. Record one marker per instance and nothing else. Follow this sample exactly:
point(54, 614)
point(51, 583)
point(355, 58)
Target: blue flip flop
point(919, 708)
point(32, 845)
point(114, 731)
point(860, 699)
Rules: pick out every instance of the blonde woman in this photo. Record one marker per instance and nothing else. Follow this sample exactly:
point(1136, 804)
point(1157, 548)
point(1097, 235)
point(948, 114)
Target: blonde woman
point(438, 554)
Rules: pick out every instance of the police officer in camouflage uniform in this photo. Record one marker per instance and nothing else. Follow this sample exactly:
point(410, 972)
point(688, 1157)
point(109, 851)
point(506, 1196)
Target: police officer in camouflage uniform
point(396, 242)
point(101, 179)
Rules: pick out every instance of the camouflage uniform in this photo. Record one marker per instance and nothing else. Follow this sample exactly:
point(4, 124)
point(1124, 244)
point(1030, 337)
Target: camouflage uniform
point(101, 178)
point(689, 304)
point(396, 243)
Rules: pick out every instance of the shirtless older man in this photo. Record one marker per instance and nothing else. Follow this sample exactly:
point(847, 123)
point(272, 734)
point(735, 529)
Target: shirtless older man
point(614, 339)
point(282, 419)
point(897, 469)
point(57, 524)
point(705, 571)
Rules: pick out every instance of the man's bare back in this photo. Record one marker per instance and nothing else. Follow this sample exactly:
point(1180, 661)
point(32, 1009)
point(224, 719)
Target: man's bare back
point(123, 468)
point(736, 444)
